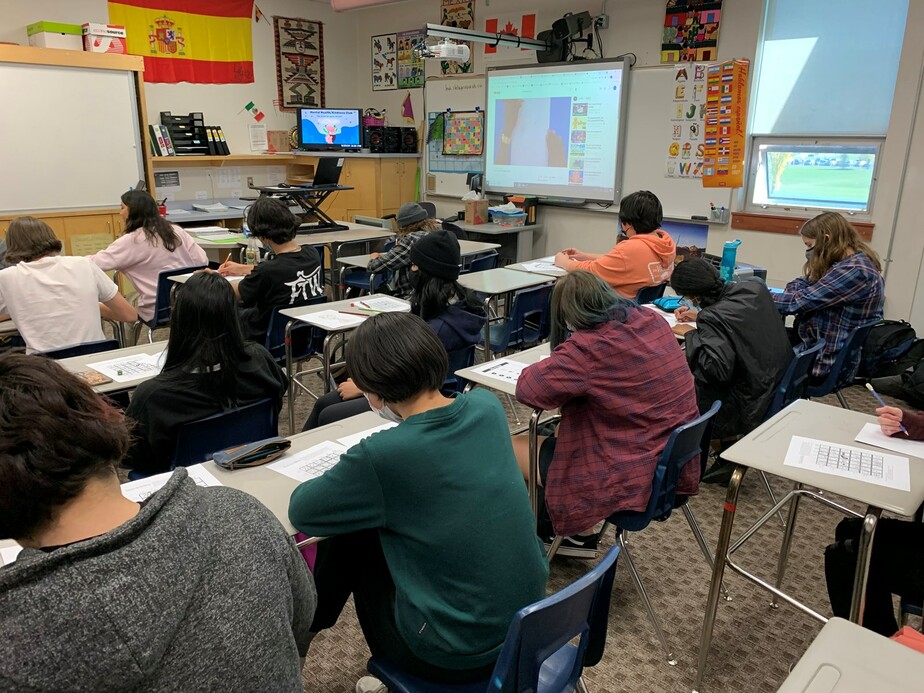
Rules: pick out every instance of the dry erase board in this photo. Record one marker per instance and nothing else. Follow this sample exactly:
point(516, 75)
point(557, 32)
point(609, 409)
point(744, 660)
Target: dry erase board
point(459, 94)
point(70, 137)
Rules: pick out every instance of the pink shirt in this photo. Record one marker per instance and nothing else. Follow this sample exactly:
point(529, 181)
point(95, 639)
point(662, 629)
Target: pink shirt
point(142, 261)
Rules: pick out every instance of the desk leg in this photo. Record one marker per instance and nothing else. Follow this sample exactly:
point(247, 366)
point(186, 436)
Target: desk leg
point(525, 245)
point(864, 552)
point(488, 354)
point(783, 558)
point(532, 483)
point(718, 572)
point(328, 340)
point(290, 375)
point(336, 270)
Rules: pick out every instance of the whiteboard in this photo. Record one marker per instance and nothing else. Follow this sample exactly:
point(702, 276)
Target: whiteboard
point(70, 138)
point(459, 94)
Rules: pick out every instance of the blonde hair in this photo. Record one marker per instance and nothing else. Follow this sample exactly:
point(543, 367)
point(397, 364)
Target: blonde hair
point(423, 225)
point(835, 239)
point(29, 239)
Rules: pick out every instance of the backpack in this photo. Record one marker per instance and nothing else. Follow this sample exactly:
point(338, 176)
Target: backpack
point(891, 347)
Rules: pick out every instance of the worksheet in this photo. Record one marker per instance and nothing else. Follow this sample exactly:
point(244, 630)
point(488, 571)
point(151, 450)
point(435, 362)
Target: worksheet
point(872, 434)
point(382, 304)
point(311, 463)
point(545, 265)
point(143, 488)
point(505, 370)
point(333, 320)
point(127, 368)
point(849, 462)
point(350, 441)
point(9, 554)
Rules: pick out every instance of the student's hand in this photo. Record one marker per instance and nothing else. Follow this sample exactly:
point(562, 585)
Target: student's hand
point(681, 330)
point(684, 314)
point(889, 419)
point(348, 390)
point(564, 260)
point(234, 269)
point(373, 256)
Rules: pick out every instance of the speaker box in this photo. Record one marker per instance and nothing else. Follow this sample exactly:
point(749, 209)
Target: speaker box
point(374, 138)
point(408, 140)
point(392, 140)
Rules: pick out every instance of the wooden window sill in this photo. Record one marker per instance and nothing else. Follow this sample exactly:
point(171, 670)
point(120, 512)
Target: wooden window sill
point(777, 223)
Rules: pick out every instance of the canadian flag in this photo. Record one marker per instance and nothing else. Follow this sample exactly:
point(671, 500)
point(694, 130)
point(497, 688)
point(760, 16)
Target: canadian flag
point(523, 26)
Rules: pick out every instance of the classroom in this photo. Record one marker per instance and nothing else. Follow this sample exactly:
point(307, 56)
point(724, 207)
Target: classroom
point(296, 308)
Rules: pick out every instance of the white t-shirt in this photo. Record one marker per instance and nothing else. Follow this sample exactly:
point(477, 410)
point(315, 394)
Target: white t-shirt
point(54, 301)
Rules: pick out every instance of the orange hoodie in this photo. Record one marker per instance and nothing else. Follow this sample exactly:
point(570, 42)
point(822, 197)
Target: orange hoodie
point(645, 259)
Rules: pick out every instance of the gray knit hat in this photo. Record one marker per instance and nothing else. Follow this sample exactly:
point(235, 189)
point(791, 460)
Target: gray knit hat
point(410, 213)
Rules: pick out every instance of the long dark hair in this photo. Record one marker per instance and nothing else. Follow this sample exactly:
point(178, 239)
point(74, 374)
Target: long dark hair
point(143, 214)
point(206, 337)
point(697, 278)
point(581, 301)
point(433, 295)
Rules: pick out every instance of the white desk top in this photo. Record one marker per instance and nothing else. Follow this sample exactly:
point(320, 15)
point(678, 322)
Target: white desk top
point(304, 313)
point(765, 449)
point(466, 248)
point(183, 278)
point(501, 280)
point(79, 363)
point(845, 658)
point(356, 233)
point(7, 327)
point(527, 356)
point(495, 230)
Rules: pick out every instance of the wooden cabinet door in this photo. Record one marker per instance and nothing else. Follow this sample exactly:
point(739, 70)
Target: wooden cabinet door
point(88, 234)
point(391, 197)
point(409, 191)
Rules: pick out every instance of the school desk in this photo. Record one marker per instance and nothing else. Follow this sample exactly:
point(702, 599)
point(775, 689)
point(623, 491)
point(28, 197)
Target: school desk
point(7, 327)
point(764, 449)
point(517, 241)
point(547, 271)
point(183, 278)
point(75, 364)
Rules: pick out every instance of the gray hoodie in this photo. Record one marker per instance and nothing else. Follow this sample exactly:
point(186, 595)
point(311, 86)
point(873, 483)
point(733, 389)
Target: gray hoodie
point(201, 591)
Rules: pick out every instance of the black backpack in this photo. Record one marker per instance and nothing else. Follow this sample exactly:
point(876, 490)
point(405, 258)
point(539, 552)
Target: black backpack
point(913, 386)
point(891, 347)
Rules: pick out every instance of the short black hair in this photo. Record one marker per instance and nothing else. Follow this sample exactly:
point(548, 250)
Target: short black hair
point(396, 356)
point(269, 218)
point(642, 211)
point(55, 435)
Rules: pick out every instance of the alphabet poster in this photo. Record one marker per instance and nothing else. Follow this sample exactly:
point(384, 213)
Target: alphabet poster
point(384, 62)
point(684, 155)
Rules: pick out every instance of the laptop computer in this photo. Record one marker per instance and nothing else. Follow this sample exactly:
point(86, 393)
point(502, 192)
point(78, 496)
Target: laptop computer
point(327, 173)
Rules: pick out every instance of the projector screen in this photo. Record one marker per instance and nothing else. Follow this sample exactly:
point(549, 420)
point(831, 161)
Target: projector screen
point(556, 130)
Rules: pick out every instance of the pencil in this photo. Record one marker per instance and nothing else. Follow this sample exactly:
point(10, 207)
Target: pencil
point(869, 386)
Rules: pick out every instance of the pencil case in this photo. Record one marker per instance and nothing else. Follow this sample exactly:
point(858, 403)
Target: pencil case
point(252, 454)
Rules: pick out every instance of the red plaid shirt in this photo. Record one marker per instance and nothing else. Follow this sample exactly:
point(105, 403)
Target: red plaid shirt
point(622, 388)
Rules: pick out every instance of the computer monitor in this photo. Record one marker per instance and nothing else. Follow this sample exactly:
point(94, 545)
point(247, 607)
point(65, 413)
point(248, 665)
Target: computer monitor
point(329, 129)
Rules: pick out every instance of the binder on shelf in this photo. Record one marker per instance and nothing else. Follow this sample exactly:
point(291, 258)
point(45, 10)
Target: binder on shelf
point(224, 143)
point(153, 135)
point(211, 137)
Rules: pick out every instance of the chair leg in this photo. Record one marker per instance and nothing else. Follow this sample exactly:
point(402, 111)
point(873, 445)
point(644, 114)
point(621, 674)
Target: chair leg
point(136, 332)
point(842, 400)
point(581, 686)
point(640, 588)
point(787, 542)
point(513, 408)
point(553, 548)
point(773, 501)
point(701, 540)
point(150, 335)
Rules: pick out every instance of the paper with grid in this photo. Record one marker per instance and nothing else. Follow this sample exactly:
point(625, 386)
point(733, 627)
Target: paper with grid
point(849, 462)
point(505, 370)
point(144, 488)
point(311, 463)
point(127, 368)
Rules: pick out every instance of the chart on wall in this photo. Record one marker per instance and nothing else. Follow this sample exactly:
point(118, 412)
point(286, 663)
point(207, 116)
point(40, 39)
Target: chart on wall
point(384, 62)
point(410, 68)
point(455, 153)
point(446, 173)
point(459, 14)
point(684, 149)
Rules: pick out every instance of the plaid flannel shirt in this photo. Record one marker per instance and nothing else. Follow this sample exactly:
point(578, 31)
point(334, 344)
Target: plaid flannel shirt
point(398, 262)
point(622, 389)
point(850, 294)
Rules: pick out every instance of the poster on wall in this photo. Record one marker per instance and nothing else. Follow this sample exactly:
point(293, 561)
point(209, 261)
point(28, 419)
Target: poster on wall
point(410, 69)
point(691, 30)
point(384, 62)
point(521, 25)
point(461, 14)
point(688, 108)
point(299, 62)
point(726, 116)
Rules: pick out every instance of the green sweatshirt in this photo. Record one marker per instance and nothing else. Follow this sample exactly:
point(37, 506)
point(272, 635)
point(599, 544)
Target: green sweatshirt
point(456, 528)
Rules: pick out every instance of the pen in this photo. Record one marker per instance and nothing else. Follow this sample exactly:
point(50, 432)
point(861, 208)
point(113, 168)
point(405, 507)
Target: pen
point(869, 387)
point(361, 304)
point(347, 312)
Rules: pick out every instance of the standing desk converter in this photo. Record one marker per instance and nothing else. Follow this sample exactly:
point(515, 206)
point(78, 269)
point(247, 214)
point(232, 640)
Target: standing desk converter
point(309, 198)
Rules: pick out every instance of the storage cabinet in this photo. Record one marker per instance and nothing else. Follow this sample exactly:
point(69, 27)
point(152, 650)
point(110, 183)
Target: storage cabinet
point(81, 232)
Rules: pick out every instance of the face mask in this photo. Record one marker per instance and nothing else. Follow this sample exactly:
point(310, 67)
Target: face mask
point(808, 253)
point(384, 412)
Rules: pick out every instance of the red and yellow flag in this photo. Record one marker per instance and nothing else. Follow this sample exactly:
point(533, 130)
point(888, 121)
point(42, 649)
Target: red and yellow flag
point(206, 42)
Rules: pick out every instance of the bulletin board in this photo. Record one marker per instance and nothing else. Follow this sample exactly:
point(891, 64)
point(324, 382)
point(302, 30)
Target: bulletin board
point(446, 174)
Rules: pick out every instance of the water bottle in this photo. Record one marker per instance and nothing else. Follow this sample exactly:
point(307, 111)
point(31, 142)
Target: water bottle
point(729, 253)
point(252, 249)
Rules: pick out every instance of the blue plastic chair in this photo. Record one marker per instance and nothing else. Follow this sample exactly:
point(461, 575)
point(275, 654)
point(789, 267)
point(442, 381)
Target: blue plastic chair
point(81, 349)
point(844, 367)
point(685, 444)
point(527, 322)
point(481, 263)
point(650, 294)
point(163, 306)
point(536, 654)
point(368, 282)
point(458, 359)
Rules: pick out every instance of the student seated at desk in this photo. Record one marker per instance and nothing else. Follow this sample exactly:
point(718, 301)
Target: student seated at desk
point(289, 277)
point(434, 506)
point(208, 368)
point(622, 383)
point(738, 350)
point(897, 562)
point(448, 308)
point(150, 245)
point(413, 224)
point(841, 289)
point(192, 589)
point(55, 301)
point(644, 258)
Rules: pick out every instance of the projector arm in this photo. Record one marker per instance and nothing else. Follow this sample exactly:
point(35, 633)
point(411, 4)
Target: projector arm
point(440, 31)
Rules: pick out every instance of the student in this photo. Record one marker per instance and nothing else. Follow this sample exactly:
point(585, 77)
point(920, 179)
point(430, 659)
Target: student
point(55, 301)
point(413, 225)
point(738, 350)
point(622, 384)
point(897, 562)
point(434, 506)
point(841, 289)
point(289, 277)
point(208, 368)
point(645, 258)
point(150, 245)
point(193, 588)
point(447, 308)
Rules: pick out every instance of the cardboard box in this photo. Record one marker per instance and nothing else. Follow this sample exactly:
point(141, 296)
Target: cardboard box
point(103, 38)
point(476, 211)
point(55, 35)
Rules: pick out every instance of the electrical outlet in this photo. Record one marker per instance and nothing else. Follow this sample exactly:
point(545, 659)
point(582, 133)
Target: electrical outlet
point(602, 21)
point(249, 181)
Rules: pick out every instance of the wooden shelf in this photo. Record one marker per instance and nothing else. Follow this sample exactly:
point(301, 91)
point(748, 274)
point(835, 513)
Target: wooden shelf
point(246, 159)
point(777, 223)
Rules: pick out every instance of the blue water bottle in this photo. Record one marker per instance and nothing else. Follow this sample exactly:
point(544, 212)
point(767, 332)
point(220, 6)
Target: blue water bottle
point(729, 252)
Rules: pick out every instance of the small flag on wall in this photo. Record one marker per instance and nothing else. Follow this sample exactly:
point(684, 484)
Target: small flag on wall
point(407, 108)
point(523, 26)
point(257, 114)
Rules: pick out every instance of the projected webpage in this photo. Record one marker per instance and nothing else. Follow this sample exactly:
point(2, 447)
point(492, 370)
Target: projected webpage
point(554, 133)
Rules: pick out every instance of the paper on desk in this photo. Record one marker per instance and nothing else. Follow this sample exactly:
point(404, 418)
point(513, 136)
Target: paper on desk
point(209, 207)
point(9, 554)
point(830, 458)
point(383, 304)
point(311, 463)
point(143, 488)
point(350, 441)
point(220, 237)
point(504, 370)
point(669, 317)
point(208, 230)
point(127, 368)
point(177, 212)
point(240, 205)
point(872, 434)
point(544, 266)
point(333, 320)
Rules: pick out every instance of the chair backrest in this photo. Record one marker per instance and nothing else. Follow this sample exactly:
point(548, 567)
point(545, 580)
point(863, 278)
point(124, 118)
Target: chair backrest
point(795, 379)
point(163, 306)
point(541, 629)
point(305, 338)
point(429, 208)
point(650, 294)
point(845, 363)
point(482, 262)
point(458, 359)
point(529, 318)
point(81, 349)
point(197, 440)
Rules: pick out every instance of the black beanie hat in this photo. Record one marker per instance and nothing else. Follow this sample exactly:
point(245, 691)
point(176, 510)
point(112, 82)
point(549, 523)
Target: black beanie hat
point(438, 254)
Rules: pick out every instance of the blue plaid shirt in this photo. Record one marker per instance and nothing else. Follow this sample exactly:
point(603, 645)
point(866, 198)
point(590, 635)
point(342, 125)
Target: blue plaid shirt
point(398, 262)
point(850, 294)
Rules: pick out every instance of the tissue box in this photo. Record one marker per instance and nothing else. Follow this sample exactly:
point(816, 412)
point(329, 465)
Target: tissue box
point(54, 35)
point(103, 38)
point(476, 211)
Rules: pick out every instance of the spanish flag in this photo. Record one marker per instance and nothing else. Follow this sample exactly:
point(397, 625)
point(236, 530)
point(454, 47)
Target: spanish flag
point(206, 41)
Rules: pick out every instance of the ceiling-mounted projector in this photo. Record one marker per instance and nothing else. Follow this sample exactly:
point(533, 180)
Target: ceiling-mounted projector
point(445, 50)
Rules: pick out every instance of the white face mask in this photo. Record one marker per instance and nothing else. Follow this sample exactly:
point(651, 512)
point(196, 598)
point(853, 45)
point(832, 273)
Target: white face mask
point(384, 412)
